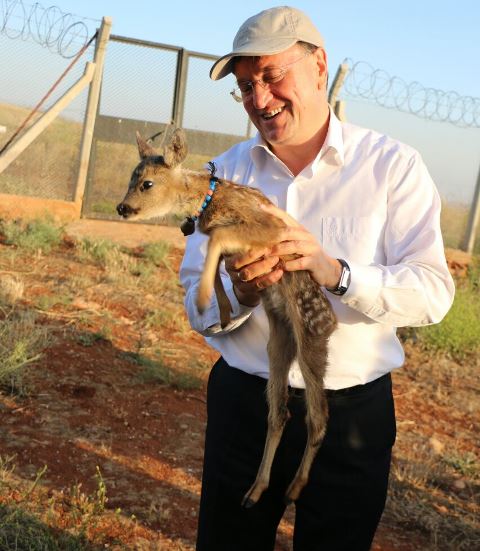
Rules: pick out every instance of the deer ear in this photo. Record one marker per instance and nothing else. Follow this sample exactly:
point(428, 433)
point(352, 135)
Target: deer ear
point(176, 151)
point(144, 149)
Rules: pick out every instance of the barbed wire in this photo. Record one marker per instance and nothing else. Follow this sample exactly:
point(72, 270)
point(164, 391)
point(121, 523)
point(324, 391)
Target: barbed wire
point(62, 33)
point(366, 82)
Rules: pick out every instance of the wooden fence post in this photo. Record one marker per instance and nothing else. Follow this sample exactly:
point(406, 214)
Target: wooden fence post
point(473, 218)
point(338, 106)
point(180, 88)
point(91, 111)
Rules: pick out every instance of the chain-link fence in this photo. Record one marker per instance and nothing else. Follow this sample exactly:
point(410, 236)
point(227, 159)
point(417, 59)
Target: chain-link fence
point(36, 46)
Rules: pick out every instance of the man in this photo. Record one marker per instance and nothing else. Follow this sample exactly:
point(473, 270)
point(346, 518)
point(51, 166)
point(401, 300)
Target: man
point(363, 216)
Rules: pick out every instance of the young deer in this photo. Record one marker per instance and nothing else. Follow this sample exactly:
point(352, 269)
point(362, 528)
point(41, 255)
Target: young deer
point(300, 316)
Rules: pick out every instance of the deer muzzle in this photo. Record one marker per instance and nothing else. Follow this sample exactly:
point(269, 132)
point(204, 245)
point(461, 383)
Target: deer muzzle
point(125, 210)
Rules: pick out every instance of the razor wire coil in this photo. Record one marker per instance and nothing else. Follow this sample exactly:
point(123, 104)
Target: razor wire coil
point(62, 33)
point(376, 85)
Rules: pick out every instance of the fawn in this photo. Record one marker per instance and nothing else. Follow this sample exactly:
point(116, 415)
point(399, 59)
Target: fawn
point(300, 316)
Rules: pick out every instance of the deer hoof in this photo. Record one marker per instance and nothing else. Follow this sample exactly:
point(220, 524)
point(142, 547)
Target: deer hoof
point(248, 503)
point(249, 499)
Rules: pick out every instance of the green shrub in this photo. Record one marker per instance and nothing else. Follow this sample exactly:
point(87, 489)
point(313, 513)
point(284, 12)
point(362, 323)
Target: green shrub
point(156, 253)
point(98, 251)
point(458, 334)
point(21, 530)
point(39, 234)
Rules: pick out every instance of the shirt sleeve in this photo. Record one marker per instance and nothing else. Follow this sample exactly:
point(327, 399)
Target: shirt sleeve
point(414, 287)
point(208, 323)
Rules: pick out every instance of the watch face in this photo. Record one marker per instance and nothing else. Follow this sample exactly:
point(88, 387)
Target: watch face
point(344, 279)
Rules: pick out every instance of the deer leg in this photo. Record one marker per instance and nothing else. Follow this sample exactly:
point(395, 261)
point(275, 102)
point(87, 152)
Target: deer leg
point(312, 361)
point(221, 240)
point(224, 304)
point(281, 352)
point(207, 280)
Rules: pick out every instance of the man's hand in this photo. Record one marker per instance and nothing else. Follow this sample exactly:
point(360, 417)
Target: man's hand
point(257, 269)
point(296, 240)
point(252, 272)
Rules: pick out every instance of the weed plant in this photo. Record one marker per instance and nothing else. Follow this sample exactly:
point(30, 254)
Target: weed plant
point(22, 340)
point(39, 234)
point(100, 252)
point(119, 264)
point(23, 528)
point(20, 530)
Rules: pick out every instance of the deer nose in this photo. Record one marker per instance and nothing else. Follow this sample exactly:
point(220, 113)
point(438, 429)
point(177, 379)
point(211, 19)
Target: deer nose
point(124, 210)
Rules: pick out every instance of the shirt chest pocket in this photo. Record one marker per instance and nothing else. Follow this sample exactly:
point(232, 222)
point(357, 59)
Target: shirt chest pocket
point(359, 239)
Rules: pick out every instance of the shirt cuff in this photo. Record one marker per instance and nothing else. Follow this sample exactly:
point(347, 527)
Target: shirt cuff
point(365, 286)
point(240, 314)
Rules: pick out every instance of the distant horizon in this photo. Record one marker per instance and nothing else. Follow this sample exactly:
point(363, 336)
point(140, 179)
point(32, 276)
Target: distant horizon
point(451, 201)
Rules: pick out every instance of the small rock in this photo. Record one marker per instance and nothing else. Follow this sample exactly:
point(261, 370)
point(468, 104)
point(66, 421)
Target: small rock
point(436, 445)
point(459, 484)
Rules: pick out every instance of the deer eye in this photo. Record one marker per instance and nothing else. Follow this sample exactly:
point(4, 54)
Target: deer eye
point(146, 185)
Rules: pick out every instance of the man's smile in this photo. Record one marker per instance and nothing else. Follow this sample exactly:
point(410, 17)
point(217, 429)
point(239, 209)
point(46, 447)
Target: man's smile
point(270, 114)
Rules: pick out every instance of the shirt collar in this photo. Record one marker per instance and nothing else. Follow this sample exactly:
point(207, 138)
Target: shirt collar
point(332, 150)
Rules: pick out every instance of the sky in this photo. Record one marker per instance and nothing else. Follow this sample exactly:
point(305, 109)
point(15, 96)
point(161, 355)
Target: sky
point(436, 43)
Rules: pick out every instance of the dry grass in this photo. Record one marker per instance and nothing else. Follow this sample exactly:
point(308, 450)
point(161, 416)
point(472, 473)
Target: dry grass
point(11, 289)
point(22, 341)
point(435, 479)
point(29, 514)
point(55, 154)
point(100, 292)
point(454, 219)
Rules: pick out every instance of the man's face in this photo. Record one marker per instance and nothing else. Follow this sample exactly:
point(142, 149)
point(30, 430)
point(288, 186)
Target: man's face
point(292, 110)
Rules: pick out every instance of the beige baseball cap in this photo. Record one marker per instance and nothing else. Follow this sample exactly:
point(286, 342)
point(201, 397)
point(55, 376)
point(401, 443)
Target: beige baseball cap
point(269, 32)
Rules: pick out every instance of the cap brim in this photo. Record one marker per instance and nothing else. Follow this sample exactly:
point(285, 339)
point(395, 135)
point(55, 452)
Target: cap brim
point(224, 66)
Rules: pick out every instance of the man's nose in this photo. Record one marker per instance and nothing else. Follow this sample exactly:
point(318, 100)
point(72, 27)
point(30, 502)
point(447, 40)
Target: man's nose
point(260, 95)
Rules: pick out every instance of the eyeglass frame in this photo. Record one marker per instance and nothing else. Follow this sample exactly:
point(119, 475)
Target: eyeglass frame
point(240, 97)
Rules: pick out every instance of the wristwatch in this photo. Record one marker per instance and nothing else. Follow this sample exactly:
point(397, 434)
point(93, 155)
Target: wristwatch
point(344, 282)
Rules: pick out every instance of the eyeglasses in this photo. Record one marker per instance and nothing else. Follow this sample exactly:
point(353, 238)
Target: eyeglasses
point(271, 77)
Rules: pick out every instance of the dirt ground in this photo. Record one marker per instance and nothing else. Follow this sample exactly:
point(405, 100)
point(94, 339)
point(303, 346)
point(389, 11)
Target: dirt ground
point(129, 234)
point(89, 404)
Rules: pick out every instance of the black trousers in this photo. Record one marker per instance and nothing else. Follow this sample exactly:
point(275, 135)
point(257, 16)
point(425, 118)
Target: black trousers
point(341, 505)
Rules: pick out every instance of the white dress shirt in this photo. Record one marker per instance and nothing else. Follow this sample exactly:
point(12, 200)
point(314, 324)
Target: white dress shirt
point(367, 199)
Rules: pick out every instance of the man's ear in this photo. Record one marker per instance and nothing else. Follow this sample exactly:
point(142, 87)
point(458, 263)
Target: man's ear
point(144, 149)
point(176, 151)
point(322, 65)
